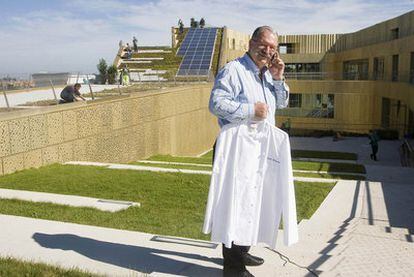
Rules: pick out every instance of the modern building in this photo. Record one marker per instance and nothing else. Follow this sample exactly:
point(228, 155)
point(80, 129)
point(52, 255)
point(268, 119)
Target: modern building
point(351, 82)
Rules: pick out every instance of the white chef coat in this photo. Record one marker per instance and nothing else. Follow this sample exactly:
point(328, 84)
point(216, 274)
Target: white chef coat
point(251, 187)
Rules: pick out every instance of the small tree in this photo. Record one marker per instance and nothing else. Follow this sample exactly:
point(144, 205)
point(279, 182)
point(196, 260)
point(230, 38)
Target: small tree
point(112, 73)
point(192, 23)
point(202, 22)
point(102, 68)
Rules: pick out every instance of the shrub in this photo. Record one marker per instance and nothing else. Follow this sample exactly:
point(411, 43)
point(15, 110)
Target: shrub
point(388, 134)
point(111, 74)
point(102, 68)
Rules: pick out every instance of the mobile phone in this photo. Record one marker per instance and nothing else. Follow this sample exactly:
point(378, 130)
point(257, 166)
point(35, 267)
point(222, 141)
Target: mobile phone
point(274, 56)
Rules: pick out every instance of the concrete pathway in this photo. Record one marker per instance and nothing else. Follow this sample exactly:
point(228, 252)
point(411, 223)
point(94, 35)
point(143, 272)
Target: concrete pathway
point(70, 200)
point(114, 252)
point(361, 229)
point(209, 166)
point(178, 170)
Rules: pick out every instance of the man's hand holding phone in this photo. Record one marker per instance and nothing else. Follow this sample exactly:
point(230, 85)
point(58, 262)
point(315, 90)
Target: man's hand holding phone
point(276, 66)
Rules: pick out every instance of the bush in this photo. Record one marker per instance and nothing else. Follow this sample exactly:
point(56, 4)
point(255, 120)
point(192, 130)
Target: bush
point(311, 133)
point(387, 134)
point(111, 74)
point(102, 68)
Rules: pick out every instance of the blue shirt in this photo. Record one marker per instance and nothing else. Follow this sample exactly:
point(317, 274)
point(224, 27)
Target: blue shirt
point(238, 87)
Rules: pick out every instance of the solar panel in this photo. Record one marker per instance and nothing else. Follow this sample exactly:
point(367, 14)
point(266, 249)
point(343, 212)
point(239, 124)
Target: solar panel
point(197, 50)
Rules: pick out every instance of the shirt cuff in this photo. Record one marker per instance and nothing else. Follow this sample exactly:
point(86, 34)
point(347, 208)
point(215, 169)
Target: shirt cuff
point(281, 85)
point(250, 110)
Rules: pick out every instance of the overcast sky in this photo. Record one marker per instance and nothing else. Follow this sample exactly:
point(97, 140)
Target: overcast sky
point(55, 36)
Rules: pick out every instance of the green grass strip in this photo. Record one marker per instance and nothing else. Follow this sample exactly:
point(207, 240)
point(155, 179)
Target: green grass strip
point(11, 267)
point(324, 155)
point(329, 167)
point(329, 176)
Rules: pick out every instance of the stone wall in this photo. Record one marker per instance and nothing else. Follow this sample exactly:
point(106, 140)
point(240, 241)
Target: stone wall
point(175, 122)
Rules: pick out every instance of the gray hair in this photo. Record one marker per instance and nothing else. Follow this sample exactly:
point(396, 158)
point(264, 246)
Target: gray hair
point(260, 30)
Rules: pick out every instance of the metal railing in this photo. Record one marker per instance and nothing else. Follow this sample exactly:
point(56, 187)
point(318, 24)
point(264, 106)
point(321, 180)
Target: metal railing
point(407, 154)
point(352, 76)
point(25, 90)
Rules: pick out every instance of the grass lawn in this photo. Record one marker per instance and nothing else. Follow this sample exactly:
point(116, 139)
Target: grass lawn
point(172, 203)
point(329, 167)
point(329, 176)
point(324, 155)
point(13, 268)
point(301, 165)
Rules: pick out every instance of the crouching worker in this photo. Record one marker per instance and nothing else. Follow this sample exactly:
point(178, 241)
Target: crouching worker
point(70, 94)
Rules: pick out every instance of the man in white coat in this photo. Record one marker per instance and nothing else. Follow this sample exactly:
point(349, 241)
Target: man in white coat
point(250, 87)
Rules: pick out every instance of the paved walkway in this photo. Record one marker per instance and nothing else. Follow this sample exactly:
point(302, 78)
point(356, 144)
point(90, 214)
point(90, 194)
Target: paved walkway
point(70, 200)
point(177, 170)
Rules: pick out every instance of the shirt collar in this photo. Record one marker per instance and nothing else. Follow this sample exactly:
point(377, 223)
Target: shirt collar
point(250, 64)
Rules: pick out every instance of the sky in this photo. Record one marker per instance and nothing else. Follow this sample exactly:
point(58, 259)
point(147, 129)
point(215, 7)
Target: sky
point(72, 35)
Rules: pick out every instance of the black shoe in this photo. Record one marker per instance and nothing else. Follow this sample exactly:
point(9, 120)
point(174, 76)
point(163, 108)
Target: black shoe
point(251, 260)
point(235, 272)
point(245, 274)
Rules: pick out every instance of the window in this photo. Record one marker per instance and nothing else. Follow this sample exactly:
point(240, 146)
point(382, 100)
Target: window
point(355, 70)
point(309, 105)
point(286, 48)
point(295, 100)
point(282, 49)
point(324, 106)
point(412, 68)
point(302, 71)
point(378, 69)
point(385, 115)
point(394, 76)
point(311, 67)
point(233, 43)
point(410, 127)
point(395, 33)
point(290, 67)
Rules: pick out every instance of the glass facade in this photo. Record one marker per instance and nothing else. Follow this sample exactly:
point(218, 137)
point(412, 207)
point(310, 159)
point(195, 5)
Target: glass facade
point(286, 48)
point(394, 76)
point(355, 70)
point(412, 68)
point(378, 73)
point(303, 71)
point(309, 105)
